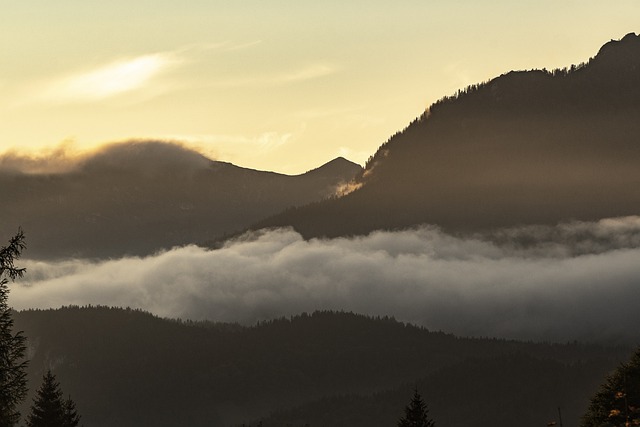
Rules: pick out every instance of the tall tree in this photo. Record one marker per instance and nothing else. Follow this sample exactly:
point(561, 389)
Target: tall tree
point(416, 413)
point(13, 382)
point(71, 417)
point(617, 402)
point(50, 409)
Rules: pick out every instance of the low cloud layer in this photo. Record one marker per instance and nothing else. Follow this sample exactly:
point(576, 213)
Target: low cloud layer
point(575, 281)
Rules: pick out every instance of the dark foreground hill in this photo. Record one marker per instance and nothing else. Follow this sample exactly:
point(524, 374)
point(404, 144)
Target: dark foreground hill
point(528, 147)
point(129, 368)
point(139, 197)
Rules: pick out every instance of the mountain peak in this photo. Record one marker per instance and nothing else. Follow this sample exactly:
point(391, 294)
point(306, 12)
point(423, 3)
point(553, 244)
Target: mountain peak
point(146, 156)
point(337, 166)
point(631, 40)
point(621, 53)
point(342, 162)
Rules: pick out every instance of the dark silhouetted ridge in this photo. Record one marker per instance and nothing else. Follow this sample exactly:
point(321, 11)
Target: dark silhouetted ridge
point(337, 167)
point(140, 197)
point(166, 373)
point(528, 147)
point(620, 55)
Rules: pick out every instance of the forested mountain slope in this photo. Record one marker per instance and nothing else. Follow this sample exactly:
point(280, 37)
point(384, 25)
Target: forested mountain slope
point(139, 197)
point(528, 147)
point(129, 368)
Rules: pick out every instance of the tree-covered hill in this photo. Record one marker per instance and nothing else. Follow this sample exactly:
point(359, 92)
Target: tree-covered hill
point(528, 147)
point(139, 197)
point(129, 368)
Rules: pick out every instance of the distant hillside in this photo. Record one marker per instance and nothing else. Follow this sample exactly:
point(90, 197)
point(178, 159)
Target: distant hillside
point(467, 393)
point(128, 368)
point(528, 147)
point(139, 197)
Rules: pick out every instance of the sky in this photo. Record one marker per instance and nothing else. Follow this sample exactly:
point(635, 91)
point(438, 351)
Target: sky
point(272, 85)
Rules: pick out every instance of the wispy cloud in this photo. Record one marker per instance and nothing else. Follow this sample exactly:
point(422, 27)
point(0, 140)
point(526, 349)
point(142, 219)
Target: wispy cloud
point(108, 80)
point(223, 46)
point(141, 75)
point(262, 142)
point(469, 286)
point(60, 158)
point(315, 113)
point(306, 73)
point(125, 75)
point(247, 150)
point(228, 47)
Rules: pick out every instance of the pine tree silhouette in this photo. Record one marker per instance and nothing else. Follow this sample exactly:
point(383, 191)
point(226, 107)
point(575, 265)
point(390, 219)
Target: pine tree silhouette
point(416, 413)
point(617, 402)
point(50, 409)
point(13, 383)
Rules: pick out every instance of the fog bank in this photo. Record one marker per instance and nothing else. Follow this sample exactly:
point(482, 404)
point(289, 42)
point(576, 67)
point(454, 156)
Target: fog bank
point(575, 281)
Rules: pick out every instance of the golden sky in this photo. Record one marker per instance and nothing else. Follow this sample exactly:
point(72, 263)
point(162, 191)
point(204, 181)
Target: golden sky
point(273, 85)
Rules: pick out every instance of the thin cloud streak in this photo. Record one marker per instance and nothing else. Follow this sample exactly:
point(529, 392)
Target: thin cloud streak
point(241, 46)
point(123, 75)
point(109, 80)
point(466, 286)
point(260, 143)
point(310, 72)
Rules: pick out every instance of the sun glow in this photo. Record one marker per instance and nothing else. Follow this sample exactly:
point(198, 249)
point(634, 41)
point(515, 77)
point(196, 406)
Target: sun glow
point(100, 72)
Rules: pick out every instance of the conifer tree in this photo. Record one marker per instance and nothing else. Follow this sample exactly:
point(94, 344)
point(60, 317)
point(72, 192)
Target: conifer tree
point(416, 413)
point(71, 417)
point(49, 409)
point(13, 382)
point(617, 402)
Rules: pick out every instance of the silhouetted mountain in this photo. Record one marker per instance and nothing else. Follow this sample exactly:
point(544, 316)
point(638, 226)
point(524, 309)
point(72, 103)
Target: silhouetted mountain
point(139, 197)
point(528, 147)
point(129, 368)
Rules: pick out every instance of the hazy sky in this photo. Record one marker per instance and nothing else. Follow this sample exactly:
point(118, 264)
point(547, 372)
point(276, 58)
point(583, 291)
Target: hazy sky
point(276, 85)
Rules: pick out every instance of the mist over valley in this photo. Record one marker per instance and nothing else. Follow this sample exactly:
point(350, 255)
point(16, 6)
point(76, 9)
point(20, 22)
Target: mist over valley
point(486, 255)
point(582, 286)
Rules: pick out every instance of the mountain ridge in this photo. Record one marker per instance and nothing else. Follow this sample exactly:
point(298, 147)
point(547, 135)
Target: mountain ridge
point(108, 357)
point(528, 147)
point(140, 197)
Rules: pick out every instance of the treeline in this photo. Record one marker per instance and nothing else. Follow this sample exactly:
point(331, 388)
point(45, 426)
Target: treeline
point(166, 372)
point(506, 390)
